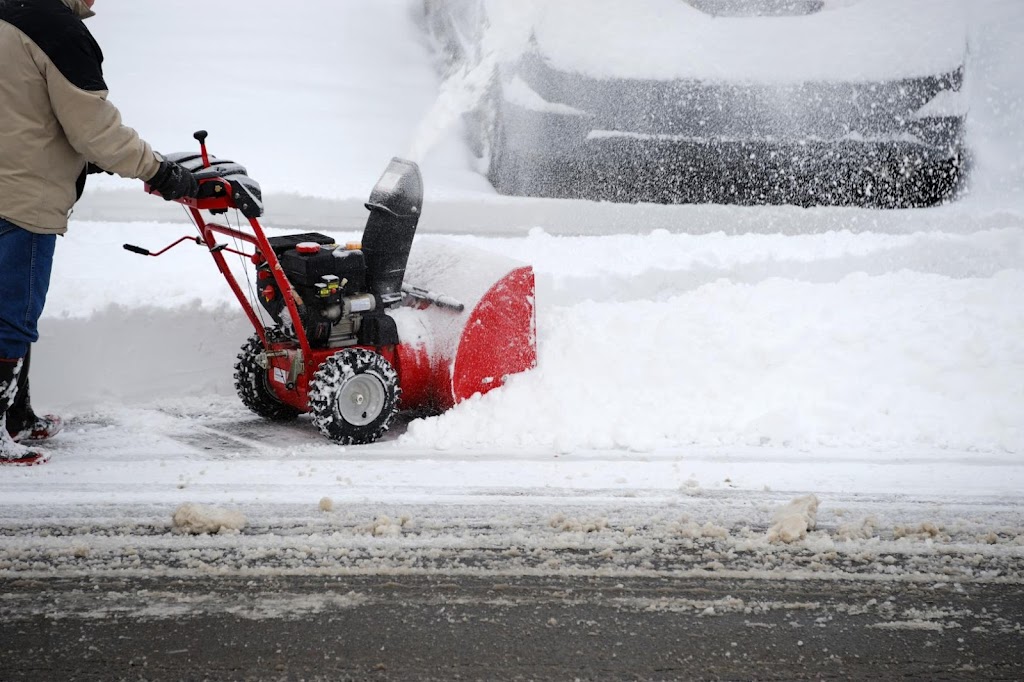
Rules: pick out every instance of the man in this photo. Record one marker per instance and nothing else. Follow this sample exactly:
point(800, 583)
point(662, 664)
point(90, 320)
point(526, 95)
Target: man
point(55, 126)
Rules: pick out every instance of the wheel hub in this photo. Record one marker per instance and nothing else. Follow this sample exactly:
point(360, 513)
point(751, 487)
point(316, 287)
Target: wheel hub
point(361, 399)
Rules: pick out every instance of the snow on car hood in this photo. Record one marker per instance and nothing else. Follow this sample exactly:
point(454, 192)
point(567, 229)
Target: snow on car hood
point(662, 39)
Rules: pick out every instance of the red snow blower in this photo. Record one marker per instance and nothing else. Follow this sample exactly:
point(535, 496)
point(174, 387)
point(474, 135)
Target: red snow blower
point(350, 341)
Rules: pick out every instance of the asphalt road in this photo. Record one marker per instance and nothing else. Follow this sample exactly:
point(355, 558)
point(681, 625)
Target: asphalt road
point(448, 627)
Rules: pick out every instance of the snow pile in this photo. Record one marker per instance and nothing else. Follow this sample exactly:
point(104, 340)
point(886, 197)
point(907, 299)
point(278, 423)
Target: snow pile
point(385, 526)
point(899, 360)
point(926, 530)
point(563, 524)
point(836, 340)
point(661, 39)
point(860, 530)
point(693, 530)
point(792, 522)
point(198, 519)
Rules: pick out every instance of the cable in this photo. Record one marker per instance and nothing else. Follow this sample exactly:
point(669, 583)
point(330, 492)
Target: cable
point(253, 299)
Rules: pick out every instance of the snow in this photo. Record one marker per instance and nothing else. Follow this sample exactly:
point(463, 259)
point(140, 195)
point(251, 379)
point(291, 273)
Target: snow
point(699, 366)
point(199, 519)
point(864, 41)
point(792, 522)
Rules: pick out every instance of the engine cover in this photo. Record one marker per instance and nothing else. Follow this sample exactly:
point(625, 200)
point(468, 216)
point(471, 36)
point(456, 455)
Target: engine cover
point(307, 269)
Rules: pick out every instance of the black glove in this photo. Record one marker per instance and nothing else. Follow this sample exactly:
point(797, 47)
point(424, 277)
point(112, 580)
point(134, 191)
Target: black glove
point(174, 182)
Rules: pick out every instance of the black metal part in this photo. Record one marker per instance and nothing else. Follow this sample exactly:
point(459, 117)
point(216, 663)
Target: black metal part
point(305, 270)
point(433, 298)
point(290, 241)
point(247, 195)
point(245, 192)
point(378, 330)
point(395, 205)
point(322, 279)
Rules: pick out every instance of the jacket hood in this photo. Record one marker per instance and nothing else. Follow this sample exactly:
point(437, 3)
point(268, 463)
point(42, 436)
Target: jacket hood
point(80, 9)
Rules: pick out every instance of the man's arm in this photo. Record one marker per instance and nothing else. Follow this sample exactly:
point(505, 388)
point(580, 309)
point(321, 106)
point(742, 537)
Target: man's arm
point(94, 128)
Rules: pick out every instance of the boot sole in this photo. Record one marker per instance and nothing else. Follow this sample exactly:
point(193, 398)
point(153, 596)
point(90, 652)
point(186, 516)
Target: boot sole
point(27, 460)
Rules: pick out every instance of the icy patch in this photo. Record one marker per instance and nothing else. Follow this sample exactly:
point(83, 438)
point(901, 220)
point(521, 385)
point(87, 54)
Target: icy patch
point(792, 522)
point(198, 519)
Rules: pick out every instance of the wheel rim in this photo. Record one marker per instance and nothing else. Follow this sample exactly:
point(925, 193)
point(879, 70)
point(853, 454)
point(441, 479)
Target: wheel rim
point(361, 399)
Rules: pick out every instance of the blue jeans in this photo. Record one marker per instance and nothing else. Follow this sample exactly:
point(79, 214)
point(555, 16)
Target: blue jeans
point(26, 259)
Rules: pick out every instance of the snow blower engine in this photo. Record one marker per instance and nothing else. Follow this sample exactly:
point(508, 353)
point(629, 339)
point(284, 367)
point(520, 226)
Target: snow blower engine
point(348, 340)
point(342, 292)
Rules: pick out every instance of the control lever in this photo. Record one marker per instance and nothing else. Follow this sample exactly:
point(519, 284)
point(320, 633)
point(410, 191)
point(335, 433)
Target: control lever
point(201, 136)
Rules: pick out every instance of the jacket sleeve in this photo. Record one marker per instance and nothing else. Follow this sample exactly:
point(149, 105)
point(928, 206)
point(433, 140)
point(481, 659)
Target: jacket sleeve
point(93, 126)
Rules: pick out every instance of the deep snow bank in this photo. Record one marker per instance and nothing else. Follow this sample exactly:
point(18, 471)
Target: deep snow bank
point(835, 340)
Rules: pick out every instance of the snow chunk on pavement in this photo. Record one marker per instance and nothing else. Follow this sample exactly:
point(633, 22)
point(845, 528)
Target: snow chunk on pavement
point(572, 525)
point(695, 531)
point(861, 530)
point(791, 523)
point(384, 526)
point(198, 519)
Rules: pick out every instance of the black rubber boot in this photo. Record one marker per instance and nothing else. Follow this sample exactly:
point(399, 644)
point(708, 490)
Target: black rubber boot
point(23, 424)
point(11, 452)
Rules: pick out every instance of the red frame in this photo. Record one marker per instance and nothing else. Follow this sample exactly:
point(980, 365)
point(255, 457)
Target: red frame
point(499, 338)
point(282, 356)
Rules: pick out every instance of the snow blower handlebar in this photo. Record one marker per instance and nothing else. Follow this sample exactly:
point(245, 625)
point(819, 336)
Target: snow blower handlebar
point(146, 252)
point(198, 240)
point(225, 185)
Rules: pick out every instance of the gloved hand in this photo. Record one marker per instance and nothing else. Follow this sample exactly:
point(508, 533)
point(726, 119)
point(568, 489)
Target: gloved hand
point(173, 181)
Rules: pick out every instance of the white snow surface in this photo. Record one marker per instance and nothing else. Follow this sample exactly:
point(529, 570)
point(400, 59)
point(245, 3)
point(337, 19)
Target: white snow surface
point(820, 348)
point(694, 355)
point(850, 42)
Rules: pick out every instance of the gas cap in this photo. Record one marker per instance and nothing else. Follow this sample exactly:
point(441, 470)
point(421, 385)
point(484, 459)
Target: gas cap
point(308, 248)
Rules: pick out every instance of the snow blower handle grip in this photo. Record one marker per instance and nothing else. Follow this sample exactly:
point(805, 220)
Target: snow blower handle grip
point(146, 252)
point(137, 249)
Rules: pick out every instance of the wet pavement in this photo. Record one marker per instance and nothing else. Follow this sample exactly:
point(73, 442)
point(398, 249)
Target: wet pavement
point(446, 627)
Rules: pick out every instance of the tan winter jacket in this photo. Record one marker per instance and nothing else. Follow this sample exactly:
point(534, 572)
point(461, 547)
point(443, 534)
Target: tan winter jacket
point(54, 114)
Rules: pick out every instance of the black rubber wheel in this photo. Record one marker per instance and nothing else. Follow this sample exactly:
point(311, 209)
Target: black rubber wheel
point(252, 387)
point(353, 396)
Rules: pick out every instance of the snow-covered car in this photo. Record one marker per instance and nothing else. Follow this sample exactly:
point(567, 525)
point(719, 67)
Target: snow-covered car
point(807, 102)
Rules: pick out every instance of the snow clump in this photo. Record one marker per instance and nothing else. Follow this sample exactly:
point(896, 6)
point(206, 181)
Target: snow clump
point(326, 504)
point(198, 519)
point(792, 522)
point(572, 525)
point(384, 526)
point(862, 530)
